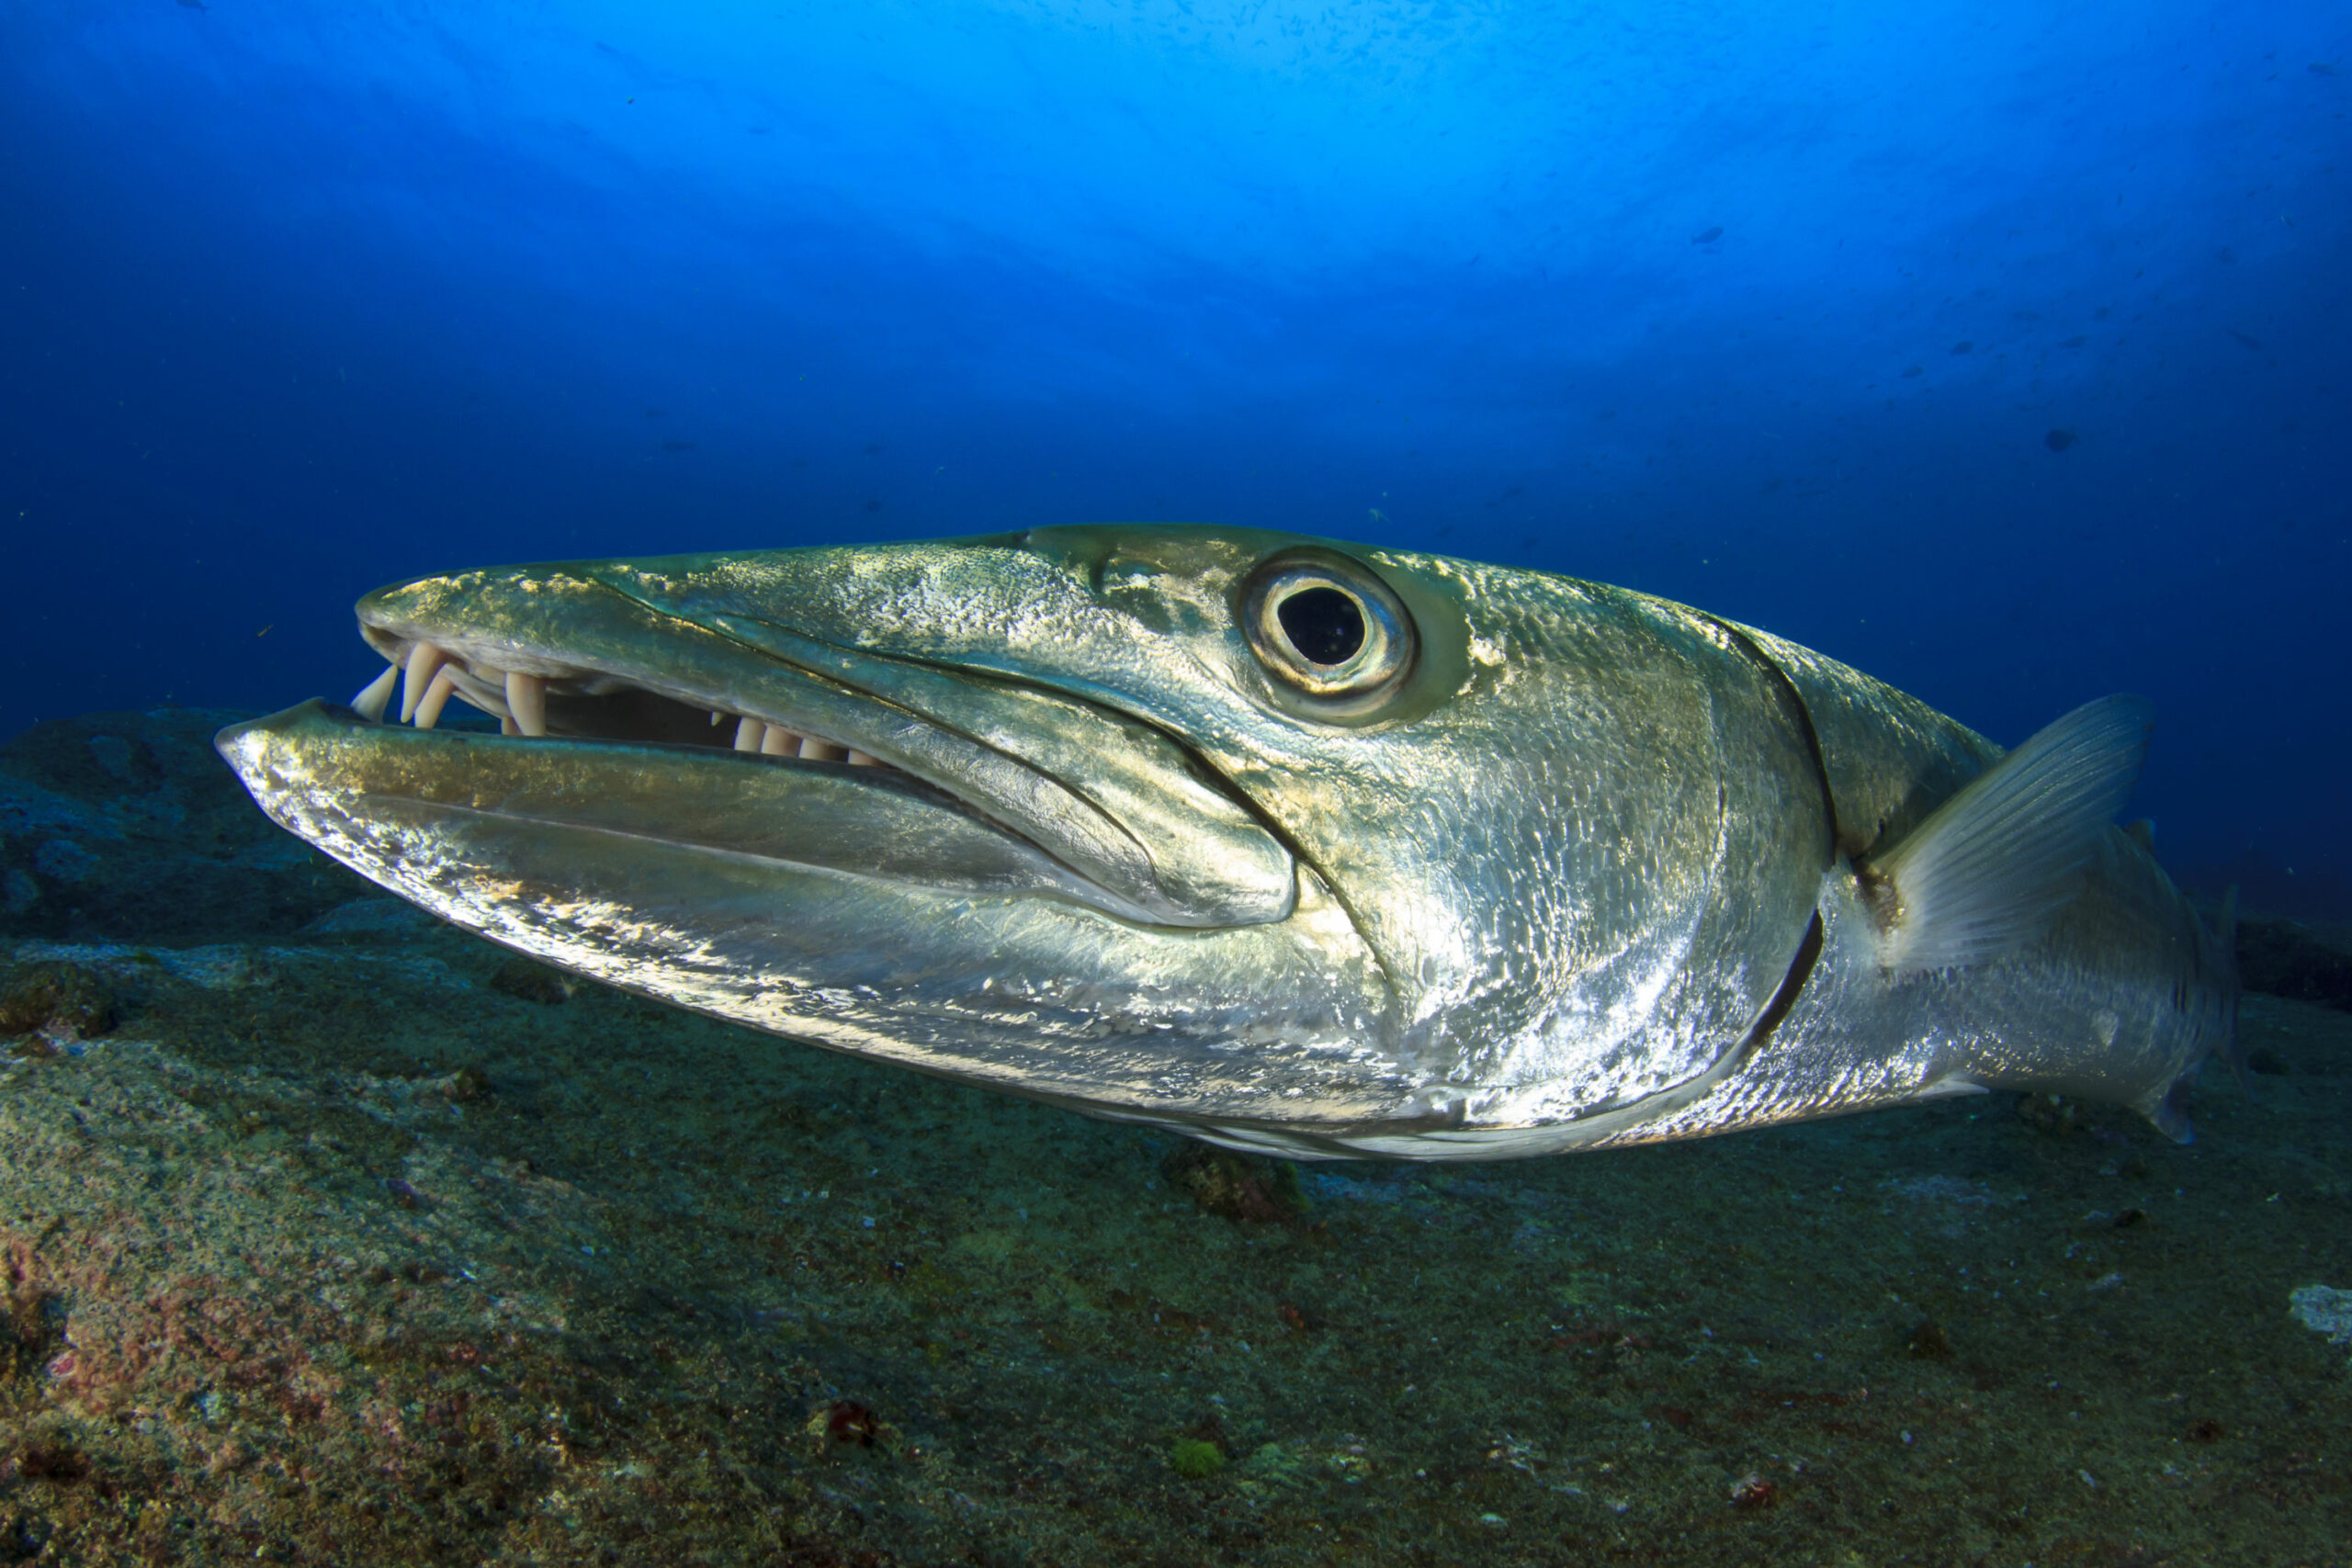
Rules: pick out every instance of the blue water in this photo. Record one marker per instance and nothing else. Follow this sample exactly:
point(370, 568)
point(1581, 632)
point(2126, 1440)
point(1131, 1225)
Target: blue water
point(1783, 310)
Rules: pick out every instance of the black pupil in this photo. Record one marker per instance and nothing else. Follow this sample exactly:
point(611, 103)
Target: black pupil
point(1323, 624)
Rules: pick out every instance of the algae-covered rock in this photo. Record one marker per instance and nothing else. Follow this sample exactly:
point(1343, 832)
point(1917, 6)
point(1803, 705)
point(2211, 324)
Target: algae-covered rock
point(1196, 1459)
point(60, 998)
point(1236, 1187)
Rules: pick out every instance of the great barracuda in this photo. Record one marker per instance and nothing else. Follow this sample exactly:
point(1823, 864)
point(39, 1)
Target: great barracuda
point(1294, 846)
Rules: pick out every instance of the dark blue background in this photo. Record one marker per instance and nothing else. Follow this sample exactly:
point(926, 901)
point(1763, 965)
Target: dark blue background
point(1769, 308)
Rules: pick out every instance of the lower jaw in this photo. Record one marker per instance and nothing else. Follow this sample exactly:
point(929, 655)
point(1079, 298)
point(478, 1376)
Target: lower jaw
point(336, 780)
point(1030, 992)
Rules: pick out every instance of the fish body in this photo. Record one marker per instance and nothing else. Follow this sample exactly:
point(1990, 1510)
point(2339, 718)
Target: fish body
point(1298, 847)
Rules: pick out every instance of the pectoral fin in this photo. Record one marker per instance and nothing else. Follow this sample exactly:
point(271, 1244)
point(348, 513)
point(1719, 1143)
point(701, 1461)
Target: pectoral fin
point(1996, 863)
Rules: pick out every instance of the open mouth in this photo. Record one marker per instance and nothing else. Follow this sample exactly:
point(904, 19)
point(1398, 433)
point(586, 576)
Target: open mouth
point(577, 704)
point(770, 788)
point(557, 654)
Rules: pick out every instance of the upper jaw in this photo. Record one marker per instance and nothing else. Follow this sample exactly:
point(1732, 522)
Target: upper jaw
point(559, 651)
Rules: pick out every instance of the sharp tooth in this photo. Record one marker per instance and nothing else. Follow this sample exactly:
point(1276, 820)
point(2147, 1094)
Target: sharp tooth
point(716, 718)
point(506, 725)
point(780, 743)
point(436, 697)
point(858, 758)
point(376, 694)
point(424, 660)
point(526, 699)
point(748, 734)
point(823, 751)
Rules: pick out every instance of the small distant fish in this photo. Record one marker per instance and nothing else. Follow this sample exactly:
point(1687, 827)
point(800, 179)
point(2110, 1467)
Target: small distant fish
point(2059, 440)
point(2318, 67)
point(1963, 346)
point(2250, 342)
point(1911, 370)
point(1703, 237)
point(200, 5)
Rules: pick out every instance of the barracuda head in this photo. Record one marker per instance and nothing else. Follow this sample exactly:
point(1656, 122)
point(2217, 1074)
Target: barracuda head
point(1284, 843)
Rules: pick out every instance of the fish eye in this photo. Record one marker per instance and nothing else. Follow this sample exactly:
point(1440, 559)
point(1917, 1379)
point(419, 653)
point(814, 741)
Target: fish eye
point(1327, 627)
point(1324, 623)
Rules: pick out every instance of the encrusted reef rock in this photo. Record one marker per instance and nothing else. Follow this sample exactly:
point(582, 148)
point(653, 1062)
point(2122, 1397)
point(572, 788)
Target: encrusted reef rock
point(65, 998)
point(2309, 962)
point(126, 826)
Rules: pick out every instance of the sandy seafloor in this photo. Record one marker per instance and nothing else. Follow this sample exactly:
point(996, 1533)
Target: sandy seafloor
point(349, 1239)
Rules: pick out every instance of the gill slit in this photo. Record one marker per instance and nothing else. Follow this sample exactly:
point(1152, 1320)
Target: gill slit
point(1808, 952)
